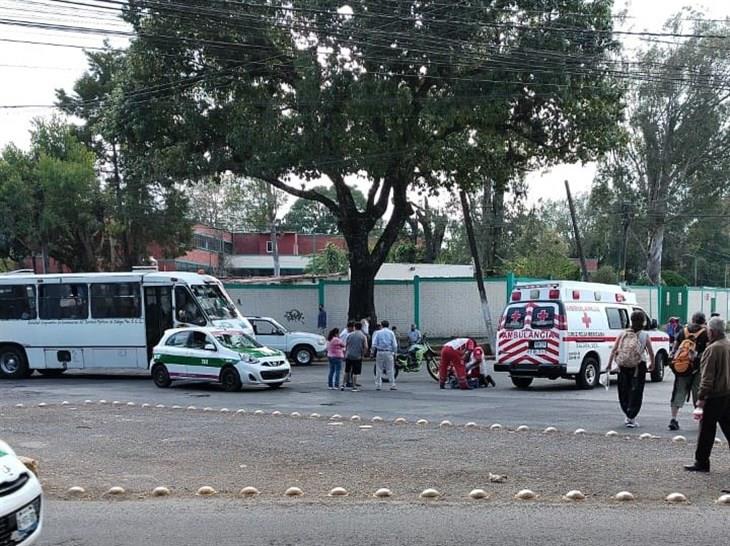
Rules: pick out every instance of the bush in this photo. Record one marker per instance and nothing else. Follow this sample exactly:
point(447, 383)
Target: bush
point(672, 278)
point(605, 274)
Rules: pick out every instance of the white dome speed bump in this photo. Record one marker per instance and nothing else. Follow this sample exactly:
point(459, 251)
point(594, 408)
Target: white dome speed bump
point(160, 406)
point(88, 401)
point(429, 494)
point(624, 496)
point(116, 403)
point(400, 421)
point(471, 424)
point(422, 422)
point(574, 495)
point(64, 403)
point(478, 494)
point(225, 410)
point(116, 491)
point(611, 434)
point(174, 407)
point(522, 428)
point(76, 491)
point(679, 439)
point(103, 402)
point(365, 427)
point(676, 497)
point(258, 412)
point(446, 423)
point(145, 405)
point(355, 418)
point(191, 408)
point(579, 431)
point(294, 492)
point(130, 404)
point(314, 416)
point(550, 430)
point(336, 417)
point(646, 436)
point(383, 493)
point(19, 406)
point(525, 494)
point(724, 499)
point(160, 492)
point(292, 414)
point(338, 492)
point(206, 491)
point(377, 419)
point(496, 427)
point(249, 492)
point(276, 413)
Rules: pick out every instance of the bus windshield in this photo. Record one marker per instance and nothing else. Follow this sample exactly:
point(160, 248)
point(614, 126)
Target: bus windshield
point(236, 340)
point(214, 303)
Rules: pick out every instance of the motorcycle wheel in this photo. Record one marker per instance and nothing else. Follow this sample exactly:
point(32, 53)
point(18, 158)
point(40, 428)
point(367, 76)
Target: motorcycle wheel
point(432, 365)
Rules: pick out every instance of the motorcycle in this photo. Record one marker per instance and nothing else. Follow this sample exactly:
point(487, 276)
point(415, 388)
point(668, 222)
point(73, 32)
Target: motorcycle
point(412, 359)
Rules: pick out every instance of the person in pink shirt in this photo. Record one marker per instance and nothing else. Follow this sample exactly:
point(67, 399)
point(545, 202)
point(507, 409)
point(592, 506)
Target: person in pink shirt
point(335, 354)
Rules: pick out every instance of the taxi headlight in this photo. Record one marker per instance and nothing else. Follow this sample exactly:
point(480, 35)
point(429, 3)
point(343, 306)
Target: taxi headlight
point(249, 359)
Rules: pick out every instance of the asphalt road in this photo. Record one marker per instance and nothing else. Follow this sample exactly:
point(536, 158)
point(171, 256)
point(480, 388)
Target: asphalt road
point(559, 403)
point(236, 523)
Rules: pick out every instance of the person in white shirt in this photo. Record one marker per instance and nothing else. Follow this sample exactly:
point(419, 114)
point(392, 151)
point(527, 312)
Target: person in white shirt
point(386, 345)
point(347, 330)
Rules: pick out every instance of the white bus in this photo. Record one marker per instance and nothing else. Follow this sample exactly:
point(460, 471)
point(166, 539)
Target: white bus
point(52, 323)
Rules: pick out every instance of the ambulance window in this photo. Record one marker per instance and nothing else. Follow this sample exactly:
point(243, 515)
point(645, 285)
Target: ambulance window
point(514, 318)
point(618, 319)
point(543, 317)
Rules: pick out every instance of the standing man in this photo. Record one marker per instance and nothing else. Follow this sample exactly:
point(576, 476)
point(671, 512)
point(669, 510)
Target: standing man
point(356, 346)
point(322, 320)
point(385, 345)
point(414, 336)
point(713, 404)
point(686, 357)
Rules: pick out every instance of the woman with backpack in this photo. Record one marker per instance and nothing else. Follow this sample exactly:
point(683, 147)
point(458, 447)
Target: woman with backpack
point(629, 353)
point(686, 354)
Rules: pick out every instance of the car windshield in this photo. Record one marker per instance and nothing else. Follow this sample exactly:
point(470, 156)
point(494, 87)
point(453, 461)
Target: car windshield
point(279, 326)
point(214, 303)
point(237, 340)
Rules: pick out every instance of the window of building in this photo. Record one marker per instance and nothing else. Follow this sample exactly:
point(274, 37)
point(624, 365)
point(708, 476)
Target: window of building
point(17, 302)
point(116, 300)
point(269, 247)
point(63, 301)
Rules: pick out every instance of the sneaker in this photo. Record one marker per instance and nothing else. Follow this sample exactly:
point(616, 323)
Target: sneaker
point(394, 388)
point(673, 424)
point(632, 423)
point(442, 385)
point(355, 389)
point(377, 388)
point(626, 421)
point(331, 388)
point(342, 388)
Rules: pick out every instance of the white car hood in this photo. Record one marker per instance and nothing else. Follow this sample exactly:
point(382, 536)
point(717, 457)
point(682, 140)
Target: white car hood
point(314, 339)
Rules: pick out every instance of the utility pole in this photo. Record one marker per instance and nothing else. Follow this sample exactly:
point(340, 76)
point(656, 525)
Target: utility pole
point(626, 223)
point(486, 313)
point(275, 246)
point(578, 245)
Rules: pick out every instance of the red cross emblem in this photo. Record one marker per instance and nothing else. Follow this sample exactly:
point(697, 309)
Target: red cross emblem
point(586, 320)
point(542, 315)
point(516, 316)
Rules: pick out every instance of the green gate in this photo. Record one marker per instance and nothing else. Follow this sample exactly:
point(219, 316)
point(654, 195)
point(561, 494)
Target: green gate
point(674, 303)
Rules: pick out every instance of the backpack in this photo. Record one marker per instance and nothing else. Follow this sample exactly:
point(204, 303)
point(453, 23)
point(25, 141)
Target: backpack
point(683, 363)
point(630, 350)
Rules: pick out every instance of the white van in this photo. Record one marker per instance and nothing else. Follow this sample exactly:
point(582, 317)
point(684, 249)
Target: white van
point(567, 329)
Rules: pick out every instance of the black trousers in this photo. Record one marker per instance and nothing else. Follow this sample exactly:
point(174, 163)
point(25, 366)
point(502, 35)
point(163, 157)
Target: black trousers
point(716, 412)
point(631, 389)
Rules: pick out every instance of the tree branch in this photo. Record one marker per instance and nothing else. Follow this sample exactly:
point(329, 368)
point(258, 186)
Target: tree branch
point(302, 193)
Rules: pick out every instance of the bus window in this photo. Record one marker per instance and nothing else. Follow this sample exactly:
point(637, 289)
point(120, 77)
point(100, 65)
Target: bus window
point(213, 302)
point(64, 301)
point(115, 300)
point(17, 302)
point(186, 309)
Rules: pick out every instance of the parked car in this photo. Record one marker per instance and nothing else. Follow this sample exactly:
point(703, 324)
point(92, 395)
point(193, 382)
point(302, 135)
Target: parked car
point(20, 501)
point(301, 347)
point(229, 357)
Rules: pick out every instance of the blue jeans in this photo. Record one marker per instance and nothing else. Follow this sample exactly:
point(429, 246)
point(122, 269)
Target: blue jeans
point(333, 379)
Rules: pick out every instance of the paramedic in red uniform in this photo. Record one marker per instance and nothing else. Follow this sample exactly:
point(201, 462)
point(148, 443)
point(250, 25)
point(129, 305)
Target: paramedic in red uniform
point(454, 353)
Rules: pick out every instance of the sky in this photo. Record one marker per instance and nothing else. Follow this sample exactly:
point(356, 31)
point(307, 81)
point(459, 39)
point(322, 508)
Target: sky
point(29, 74)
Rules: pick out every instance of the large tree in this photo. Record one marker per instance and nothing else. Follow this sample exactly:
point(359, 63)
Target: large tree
point(677, 156)
point(400, 94)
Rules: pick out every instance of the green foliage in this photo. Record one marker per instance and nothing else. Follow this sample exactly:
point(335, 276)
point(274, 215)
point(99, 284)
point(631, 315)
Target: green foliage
point(307, 216)
point(543, 254)
point(606, 275)
point(406, 252)
point(332, 259)
point(672, 278)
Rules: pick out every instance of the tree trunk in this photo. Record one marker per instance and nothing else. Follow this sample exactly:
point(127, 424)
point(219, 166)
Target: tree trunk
point(362, 278)
point(497, 227)
point(654, 259)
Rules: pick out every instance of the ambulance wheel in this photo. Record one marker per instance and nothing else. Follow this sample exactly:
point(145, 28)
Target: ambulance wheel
point(230, 380)
point(589, 374)
point(161, 376)
point(657, 376)
point(521, 382)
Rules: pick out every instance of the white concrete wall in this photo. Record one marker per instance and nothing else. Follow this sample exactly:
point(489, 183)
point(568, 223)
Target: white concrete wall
point(648, 299)
point(281, 304)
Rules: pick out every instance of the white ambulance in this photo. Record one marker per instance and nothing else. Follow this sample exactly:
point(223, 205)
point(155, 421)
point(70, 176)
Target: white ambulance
point(567, 329)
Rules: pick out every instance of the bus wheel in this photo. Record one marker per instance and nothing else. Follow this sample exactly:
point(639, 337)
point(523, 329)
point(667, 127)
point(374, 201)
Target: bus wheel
point(589, 374)
point(13, 363)
point(52, 372)
point(521, 382)
point(161, 376)
point(230, 380)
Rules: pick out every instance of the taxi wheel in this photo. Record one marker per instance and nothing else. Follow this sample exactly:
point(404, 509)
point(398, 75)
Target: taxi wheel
point(161, 376)
point(589, 374)
point(230, 380)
